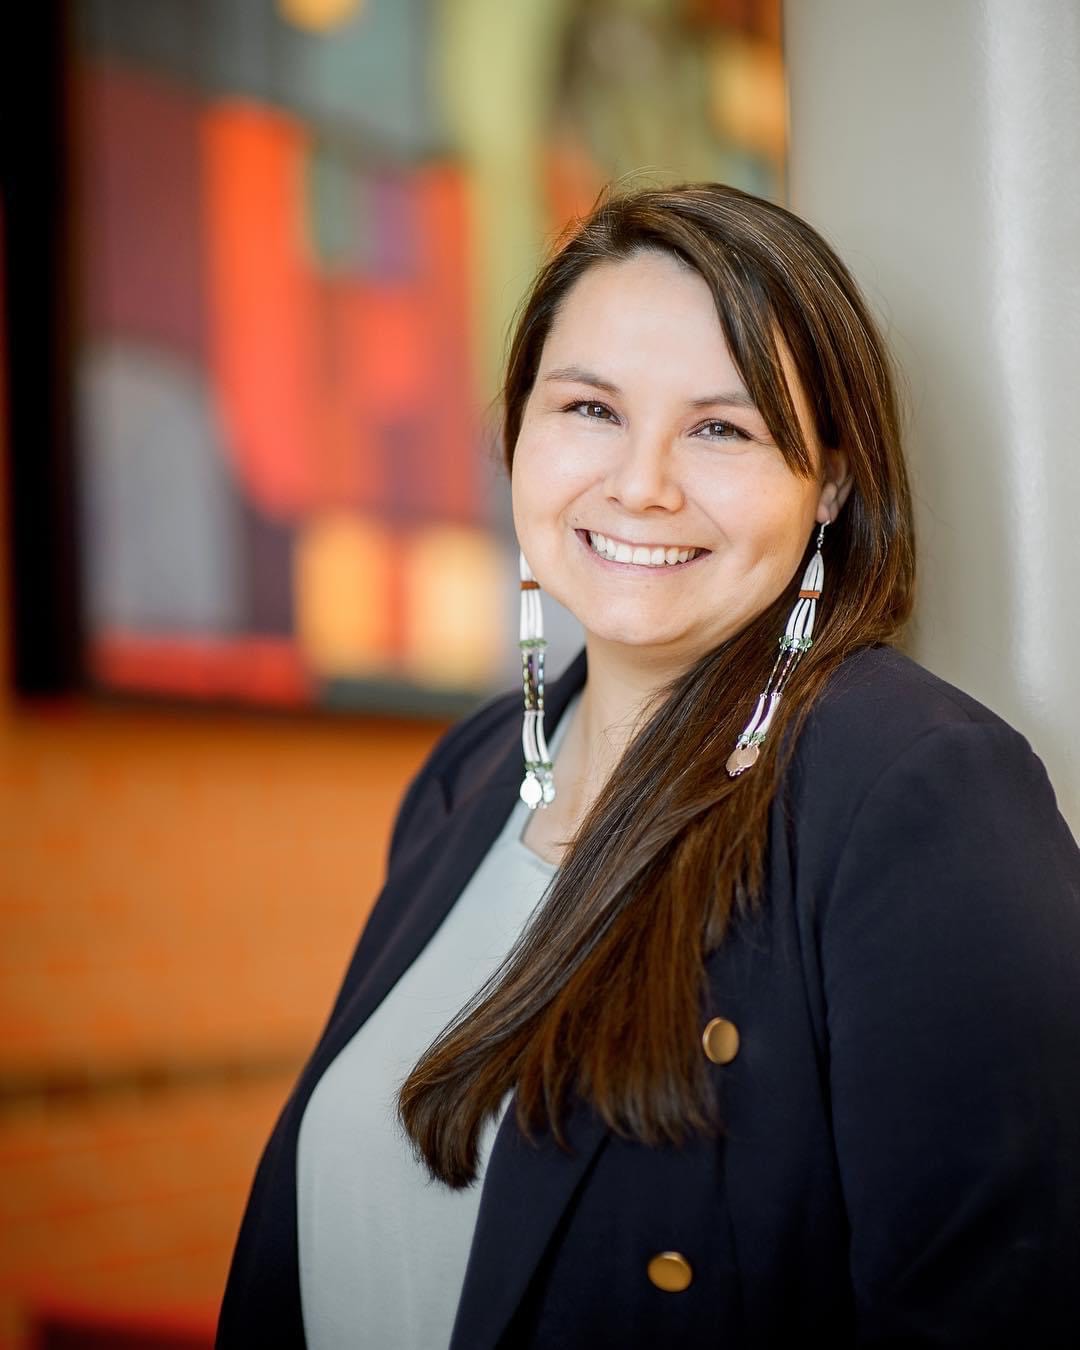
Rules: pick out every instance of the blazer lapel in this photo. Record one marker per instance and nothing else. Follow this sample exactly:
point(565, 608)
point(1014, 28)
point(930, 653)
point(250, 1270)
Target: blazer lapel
point(527, 1187)
point(420, 893)
point(418, 898)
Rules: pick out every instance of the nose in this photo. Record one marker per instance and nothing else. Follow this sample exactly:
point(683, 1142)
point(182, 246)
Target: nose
point(642, 476)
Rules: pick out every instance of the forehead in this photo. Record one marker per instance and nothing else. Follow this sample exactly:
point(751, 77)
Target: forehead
point(649, 322)
point(651, 299)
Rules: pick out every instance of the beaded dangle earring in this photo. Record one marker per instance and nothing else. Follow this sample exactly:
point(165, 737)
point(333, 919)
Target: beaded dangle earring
point(798, 638)
point(538, 786)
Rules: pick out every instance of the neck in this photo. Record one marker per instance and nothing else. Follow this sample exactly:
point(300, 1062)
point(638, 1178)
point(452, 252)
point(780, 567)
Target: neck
point(621, 691)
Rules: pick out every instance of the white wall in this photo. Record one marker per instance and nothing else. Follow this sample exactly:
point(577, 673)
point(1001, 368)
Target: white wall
point(936, 144)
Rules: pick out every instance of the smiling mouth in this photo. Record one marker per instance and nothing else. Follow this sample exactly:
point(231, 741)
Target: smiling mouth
point(639, 555)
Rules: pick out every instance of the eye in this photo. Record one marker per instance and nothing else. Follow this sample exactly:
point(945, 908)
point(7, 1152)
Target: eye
point(723, 431)
point(595, 412)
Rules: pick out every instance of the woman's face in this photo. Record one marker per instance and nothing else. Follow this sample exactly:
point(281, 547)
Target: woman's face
point(648, 494)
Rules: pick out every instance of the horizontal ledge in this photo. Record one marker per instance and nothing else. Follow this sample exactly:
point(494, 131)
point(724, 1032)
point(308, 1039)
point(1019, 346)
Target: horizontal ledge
point(64, 1085)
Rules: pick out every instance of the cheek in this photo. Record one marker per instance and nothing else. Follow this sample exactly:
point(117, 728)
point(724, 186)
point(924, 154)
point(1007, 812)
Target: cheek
point(785, 525)
point(528, 498)
point(752, 495)
point(792, 536)
point(547, 477)
point(766, 521)
point(526, 483)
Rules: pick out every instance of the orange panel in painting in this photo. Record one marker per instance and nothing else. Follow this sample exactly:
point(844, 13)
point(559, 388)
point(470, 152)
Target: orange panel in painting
point(260, 670)
point(444, 244)
point(385, 330)
point(383, 348)
point(376, 338)
point(343, 458)
point(262, 299)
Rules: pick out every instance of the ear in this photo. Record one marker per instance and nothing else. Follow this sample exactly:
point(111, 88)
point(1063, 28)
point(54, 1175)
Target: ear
point(835, 489)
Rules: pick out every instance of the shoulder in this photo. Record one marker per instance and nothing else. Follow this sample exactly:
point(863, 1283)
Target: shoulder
point(481, 751)
point(881, 694)
point(881, 706)
point(470, 751)
point(475, 745)
point(924, 838)
point(886, 731)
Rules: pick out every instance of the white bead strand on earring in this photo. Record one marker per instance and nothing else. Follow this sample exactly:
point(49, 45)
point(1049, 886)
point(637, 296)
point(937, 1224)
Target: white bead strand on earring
point(538, 785)
point(798, 638)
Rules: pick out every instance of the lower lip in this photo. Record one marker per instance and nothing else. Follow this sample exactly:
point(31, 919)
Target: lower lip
point(638, 569)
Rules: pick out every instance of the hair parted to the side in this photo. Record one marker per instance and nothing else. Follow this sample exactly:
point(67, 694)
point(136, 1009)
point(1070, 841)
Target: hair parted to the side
point(602, 996)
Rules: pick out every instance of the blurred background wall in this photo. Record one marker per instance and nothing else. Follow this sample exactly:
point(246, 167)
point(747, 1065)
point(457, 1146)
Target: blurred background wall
point(937, 146)
point(249, 437)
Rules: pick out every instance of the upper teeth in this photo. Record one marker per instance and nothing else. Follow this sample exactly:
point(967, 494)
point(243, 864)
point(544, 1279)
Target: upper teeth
point(643, 556)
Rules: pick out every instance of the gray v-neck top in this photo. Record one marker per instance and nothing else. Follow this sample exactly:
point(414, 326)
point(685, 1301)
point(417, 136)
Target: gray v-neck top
point(382, 1248)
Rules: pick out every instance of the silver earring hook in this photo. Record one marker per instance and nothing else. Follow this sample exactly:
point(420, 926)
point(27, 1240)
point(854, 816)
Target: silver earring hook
point(821, 534)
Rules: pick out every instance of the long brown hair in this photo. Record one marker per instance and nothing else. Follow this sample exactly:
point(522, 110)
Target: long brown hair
point(602, 995)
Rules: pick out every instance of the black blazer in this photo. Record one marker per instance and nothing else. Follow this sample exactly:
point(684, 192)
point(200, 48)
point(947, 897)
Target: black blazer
point(901, 1158)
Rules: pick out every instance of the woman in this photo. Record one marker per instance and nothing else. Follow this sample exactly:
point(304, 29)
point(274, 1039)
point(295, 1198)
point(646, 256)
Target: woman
point(765, 1022)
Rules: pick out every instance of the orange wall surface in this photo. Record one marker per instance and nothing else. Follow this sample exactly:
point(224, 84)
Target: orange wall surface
point(179, 894)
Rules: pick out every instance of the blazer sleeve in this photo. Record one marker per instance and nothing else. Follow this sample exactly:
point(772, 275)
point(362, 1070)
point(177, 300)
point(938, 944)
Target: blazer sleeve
point(950, 948)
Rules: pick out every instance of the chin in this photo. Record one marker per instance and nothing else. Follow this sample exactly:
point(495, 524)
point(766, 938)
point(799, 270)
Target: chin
point(633, 633)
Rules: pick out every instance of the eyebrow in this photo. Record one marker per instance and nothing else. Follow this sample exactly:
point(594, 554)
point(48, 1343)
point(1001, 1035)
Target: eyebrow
point(732, 398)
